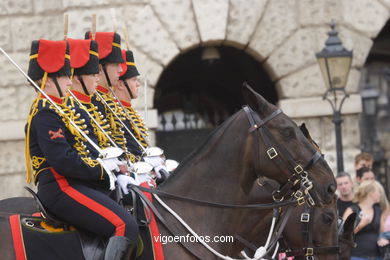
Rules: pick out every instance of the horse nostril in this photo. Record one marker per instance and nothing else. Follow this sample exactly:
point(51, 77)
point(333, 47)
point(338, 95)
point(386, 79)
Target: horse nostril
point(331, 189)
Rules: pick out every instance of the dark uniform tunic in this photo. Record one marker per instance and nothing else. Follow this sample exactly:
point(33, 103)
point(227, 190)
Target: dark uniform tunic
point(70, 180)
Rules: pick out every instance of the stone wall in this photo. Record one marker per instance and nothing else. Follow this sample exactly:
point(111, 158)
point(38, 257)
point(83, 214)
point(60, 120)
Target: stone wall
point(282, 34)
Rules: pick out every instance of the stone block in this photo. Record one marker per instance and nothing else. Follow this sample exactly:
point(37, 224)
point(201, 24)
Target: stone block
point(44, 6)
point(211, 17)
point(313, 125)
point(317, 107)
point(5, 36)
point(10, 75)
point(178, 18)
point(313, 12)
point(16, 7)
point(12, 158)
point(385, 3)
point(80, 21)
point(297, 51)
point(12, 130)
point(278, 23)
point(27, 29)
point(307, 82)
point(147, 33)
point(366, 16)
point(243, 18)
point(15, 102)
point(147, 67)
point(358, 43)
point(78, 3)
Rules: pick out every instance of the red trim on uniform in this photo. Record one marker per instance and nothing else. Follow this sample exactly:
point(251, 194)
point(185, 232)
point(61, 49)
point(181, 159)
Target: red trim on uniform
point(82, 97)
point(79, 52)
point(90, 204)
point(126, 104)
point(102, 89)
point(36, 214)
point(158, 248)
point(57, 100)
point(16, 231)
point(51, 55)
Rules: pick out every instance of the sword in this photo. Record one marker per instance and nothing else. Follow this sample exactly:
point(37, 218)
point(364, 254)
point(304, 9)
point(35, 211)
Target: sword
point(127, 114)
point(117, 117)
point(93, 119)
point(103, 153)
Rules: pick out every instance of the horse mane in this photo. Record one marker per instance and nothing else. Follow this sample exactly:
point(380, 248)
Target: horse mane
point(211, 140)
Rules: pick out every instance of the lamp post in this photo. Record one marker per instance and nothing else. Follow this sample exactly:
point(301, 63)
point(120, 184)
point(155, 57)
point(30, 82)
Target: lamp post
point(335, 62)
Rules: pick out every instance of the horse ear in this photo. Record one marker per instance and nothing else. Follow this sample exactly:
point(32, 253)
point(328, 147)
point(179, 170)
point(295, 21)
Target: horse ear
point(304, 130)
point(255, 100)
point(349, 224)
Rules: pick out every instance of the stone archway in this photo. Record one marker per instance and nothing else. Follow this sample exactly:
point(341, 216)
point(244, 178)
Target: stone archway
point(201, 88)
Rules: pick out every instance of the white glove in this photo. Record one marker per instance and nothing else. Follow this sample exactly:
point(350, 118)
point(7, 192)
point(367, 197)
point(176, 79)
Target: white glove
point(157, 170)
point(154, 160)
point(124, 180)
point(112, 164)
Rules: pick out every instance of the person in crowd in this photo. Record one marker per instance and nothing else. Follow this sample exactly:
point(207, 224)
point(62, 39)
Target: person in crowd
point(364, 160)
point(345, 192)
point(369, 204)
point(364, 174)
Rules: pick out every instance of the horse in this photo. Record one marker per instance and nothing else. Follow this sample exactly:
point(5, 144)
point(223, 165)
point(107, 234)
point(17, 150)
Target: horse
point(259, 140)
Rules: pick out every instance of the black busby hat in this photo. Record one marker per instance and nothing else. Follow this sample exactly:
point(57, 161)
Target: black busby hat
point(129, 69)
point(51, 57)
point(109, 46)
point(84, 56)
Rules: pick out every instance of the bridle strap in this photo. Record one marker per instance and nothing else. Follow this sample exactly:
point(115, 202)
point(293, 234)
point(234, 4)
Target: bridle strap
point(291, 202)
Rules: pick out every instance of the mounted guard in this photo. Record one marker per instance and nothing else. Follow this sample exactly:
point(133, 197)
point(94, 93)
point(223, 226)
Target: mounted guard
point(67, 165)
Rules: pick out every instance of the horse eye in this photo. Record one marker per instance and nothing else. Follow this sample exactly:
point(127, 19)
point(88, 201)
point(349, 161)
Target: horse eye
point(288, 132)
point(327, 218)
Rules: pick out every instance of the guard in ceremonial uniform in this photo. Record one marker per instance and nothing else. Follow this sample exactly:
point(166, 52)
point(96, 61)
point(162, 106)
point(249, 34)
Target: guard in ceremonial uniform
point(110, 58)
point(126, 90)
point(85, 78)
point(66, 172)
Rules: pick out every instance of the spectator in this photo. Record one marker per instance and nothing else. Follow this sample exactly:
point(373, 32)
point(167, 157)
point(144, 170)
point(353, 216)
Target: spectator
point(369, 204)
point(345, 190)
point(364, 174)
point(364, 160)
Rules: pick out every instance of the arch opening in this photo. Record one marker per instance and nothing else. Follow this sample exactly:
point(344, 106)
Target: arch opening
point(199, 89)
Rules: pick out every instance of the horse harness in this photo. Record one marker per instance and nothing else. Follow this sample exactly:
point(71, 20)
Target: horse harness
point(298, 184)
point(309, 251)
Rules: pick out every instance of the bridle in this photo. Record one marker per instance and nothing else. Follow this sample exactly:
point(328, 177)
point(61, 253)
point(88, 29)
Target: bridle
point(298, 183)
point(309, 250)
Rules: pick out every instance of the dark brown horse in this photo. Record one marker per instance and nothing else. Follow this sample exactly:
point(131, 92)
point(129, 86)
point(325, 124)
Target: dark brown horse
point(255, 142)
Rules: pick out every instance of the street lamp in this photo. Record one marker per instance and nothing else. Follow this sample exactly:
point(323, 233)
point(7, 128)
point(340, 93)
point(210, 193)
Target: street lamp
point(335, 62)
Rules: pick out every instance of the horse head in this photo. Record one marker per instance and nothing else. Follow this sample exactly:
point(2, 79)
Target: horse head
point(285, 154)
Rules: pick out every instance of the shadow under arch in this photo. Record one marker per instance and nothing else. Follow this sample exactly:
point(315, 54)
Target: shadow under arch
point(194, 95)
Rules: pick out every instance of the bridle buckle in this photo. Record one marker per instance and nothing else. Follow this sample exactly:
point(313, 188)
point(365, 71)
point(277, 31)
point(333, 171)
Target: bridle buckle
point(305, 217)
point(309, 251)
point(301, 201)
point(272, 153)
point(298, 169)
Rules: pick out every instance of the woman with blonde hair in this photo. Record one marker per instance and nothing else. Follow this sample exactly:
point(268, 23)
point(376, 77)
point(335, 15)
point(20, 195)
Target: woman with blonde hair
point(370, 201)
